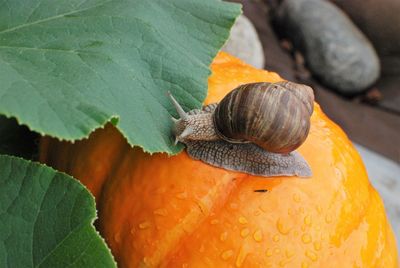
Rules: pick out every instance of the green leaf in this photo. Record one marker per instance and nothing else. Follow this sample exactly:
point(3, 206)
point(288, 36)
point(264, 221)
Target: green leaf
point(69, 66)
point(17, 140)
point(46, 219)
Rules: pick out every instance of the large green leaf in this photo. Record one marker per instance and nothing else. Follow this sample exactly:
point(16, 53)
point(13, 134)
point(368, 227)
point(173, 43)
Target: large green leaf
point(69, 66)
point(46, 219)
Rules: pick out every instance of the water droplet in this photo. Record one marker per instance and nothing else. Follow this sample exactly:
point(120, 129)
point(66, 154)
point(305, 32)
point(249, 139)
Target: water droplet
point(227, 254)
point(117, 237)
point(301, 209)
point(318, 228)
point(223, 236)
point(182, 195)
point(245, 232)
point(185, 265)
point(283, 262)
point(317, 245)
point(306, 238)
point(290, 211)
point(311, 255)
point(202, 248)
point(269, 252)
point(328, 218)
point(144, 225)
point(304, 265)
point(242, 220)
point(233, 206)
point(264, 207)
point(214, 222)
point(258, 236)
point(277, 250)
point(319, 209)
point(133, 231)
point(275, 238)
point(296, 198)
point(241, 257)
point(161, 190)
point(282, 227)
point(307, 220)
point(161, 212)
point(289, 253)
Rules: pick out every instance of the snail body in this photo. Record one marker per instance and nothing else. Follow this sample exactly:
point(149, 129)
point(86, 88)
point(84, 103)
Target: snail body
point(269, 120)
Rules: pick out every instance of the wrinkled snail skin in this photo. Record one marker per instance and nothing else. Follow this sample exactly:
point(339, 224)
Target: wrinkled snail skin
point(254, 129)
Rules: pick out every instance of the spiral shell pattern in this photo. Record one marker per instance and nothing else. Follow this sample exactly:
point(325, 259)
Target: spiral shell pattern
point(275, 116)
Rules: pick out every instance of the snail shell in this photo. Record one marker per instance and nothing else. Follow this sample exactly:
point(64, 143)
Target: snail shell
point(254, 129)
point(275, 116)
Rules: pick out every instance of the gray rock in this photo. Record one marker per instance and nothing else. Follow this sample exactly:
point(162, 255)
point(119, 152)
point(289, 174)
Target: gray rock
point(335, 50)
point(244, 43)
point(380, 22)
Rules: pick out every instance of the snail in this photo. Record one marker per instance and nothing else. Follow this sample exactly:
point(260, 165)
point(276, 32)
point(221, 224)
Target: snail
point(254, 129)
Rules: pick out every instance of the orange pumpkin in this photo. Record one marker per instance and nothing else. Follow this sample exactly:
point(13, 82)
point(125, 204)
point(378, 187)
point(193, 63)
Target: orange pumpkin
point(156, 210)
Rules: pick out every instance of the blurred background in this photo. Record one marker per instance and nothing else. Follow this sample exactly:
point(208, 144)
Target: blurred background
point(349, 52)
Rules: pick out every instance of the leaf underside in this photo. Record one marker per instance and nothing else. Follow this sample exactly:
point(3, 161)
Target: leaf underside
point(46, 219)
point(69, 66)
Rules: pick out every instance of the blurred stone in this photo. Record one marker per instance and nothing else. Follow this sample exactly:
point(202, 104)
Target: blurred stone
point(379, 20)
point(335, 50)
point(244, 43)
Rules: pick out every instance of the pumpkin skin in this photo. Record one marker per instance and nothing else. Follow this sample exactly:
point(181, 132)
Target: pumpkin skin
point(162, 211)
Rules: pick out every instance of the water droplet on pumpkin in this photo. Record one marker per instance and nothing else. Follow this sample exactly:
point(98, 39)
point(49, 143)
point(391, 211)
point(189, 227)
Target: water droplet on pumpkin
point(317, 245)
point(283, 262)
point(144, 225)
point(275, 238)
point(277, 250)
point(301, 209)
point(245, 232)
point(307, 220)
point(306, 238)
point(304, 265)
point(258, 236)
point(328, 218)
point(289, 253)
point(227, 254)
point(242, 220)
point(161, 212)
point(296, 198)
point(319, 209)
point(269, 252)
point(290, 211)
point(182, 195)
point(240, 258)
point(202, 248)
point(117, 237)
point(214, 222)
point(223, 236)
point(185, 265)
point(282, 227)
point(233, 206)
point(311, 255)
point(160, 190)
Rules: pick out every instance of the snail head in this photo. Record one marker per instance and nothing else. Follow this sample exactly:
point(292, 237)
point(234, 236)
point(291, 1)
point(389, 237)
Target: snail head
point(193, 125)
